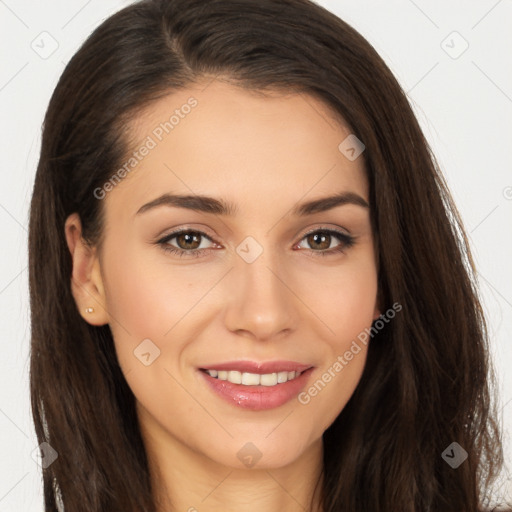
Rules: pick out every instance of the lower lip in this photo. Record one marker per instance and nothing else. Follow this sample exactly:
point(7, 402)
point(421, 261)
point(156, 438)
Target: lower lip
point(257, 398)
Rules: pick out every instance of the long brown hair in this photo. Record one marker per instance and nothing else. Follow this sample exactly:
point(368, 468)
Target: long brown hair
point(428, 377)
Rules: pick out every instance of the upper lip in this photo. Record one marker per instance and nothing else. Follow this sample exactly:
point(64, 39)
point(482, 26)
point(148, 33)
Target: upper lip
point(259, 367)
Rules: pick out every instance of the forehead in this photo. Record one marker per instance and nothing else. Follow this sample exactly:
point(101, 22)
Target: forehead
point(218, 139)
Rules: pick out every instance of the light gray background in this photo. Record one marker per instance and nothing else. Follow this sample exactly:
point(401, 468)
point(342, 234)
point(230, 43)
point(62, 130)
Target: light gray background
point(463, 100)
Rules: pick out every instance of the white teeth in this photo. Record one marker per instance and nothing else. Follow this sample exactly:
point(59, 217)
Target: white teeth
point(254, 379)
point(282, 377)
point(235, 377)
point(268, 379)
point(250, 379)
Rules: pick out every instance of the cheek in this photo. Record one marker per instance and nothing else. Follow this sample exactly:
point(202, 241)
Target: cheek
point(142, 290)
point(346, 304)
point(344, 298)
point(147, 305)
point(143, 302)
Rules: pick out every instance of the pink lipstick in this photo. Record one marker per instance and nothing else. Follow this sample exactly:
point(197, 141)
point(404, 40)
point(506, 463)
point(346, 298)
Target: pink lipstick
point(254, 385)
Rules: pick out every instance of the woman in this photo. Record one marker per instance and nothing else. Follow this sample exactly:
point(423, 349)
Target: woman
point(250, 287)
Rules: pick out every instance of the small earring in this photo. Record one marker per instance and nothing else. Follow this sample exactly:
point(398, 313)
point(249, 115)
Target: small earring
point(89, 310)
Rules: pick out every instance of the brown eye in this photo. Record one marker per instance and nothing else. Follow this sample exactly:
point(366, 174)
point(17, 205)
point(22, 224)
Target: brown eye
point(187, 243)
point(319, 240)
point(188, 240)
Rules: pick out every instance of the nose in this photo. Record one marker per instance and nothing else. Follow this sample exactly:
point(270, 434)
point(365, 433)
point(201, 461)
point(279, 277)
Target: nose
point(261, 304)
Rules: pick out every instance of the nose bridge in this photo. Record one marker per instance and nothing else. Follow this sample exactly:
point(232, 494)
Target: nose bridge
point(261, 303)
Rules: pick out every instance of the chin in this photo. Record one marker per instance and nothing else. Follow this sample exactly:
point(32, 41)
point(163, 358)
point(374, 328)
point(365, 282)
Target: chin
point(260, 453)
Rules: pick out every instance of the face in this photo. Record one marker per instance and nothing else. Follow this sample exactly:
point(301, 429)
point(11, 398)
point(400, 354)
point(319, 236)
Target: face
point(249, 277)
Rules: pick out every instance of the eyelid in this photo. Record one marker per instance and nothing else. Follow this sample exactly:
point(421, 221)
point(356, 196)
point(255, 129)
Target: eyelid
point(348, 242)
point(326, 228)
point(203, 232)
point(187, 227)
point(174, 234)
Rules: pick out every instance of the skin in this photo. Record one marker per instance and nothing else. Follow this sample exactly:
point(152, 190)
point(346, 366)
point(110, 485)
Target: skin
point(265, 154)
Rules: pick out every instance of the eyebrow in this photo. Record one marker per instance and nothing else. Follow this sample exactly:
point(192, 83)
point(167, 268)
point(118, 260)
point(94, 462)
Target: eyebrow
point(208, 204)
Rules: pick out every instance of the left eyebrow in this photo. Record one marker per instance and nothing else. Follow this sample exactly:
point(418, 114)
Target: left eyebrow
point(327, 203)
point(220, 207)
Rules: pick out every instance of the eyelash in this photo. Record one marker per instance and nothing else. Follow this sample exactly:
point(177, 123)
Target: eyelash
point(347, 241)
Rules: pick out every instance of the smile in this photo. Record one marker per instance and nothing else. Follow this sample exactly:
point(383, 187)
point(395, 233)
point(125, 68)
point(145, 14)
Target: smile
point(253, 379)
point(256, 391)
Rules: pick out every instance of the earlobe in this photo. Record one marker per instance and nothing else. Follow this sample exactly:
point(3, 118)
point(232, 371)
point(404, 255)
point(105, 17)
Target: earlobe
point(86, 280)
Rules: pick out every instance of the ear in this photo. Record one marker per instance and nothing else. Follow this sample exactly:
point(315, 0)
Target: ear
point(86, 280)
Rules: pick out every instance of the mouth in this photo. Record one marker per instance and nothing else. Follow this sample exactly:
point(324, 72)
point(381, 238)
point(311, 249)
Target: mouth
point(257, 386)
